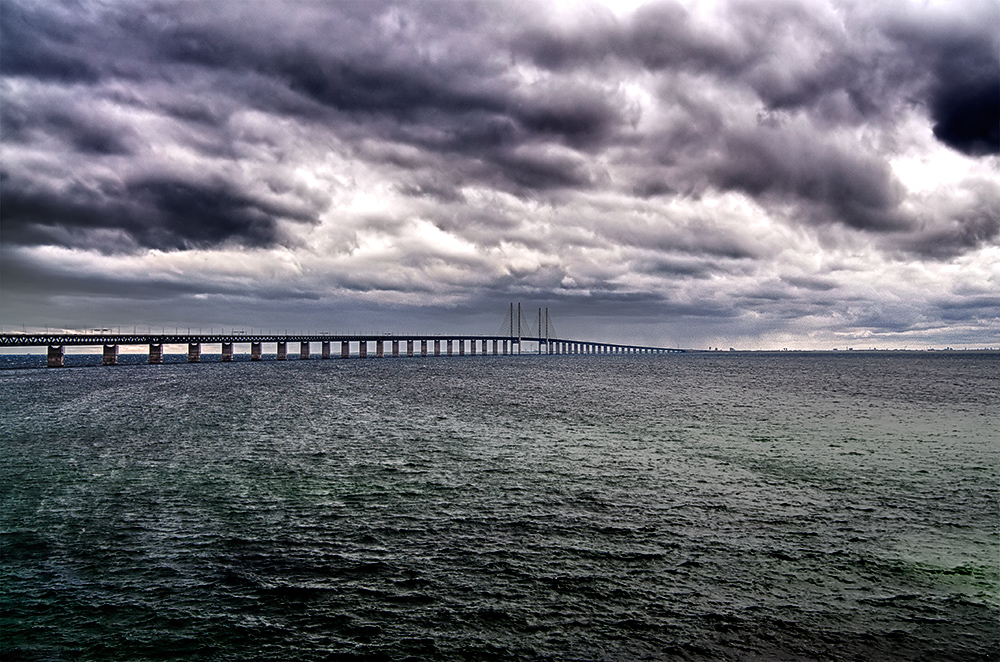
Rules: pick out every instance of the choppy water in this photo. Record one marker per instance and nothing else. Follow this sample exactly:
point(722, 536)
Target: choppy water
point(694, 507)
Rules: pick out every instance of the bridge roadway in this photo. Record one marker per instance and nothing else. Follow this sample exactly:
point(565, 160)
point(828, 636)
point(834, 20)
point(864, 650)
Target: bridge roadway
point(429, 345)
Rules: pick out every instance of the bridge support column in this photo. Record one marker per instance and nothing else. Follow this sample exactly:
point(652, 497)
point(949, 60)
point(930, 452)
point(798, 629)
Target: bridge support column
point(303, 351)
point(505, 348)
point(227, 351)
point(484, 347)
point(449, 347)
point(345, 349)
point(378, 349)
point(472, 345)
point(325, 349)
point(255, 351)
point(194, 352)
point(423, 348)
point(55, 357)
point(461, 347)
point(409, 348)
point(363, 349)
point(110, 356)
point(395, 349)
point(155, 353)
point(282, 351)
point(494, 347)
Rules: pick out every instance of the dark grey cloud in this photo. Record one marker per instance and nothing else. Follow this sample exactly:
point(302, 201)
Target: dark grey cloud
point(961, 54)
point(946, 233)
point(153, 212)
point(856, 189)
point(46, 43)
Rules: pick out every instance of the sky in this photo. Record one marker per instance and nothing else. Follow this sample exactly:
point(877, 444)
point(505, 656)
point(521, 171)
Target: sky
point(757, 175)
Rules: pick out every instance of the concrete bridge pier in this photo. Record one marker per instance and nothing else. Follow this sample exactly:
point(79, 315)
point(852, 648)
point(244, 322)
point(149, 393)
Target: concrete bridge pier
point(303, 351)
point(495, 353)
point(378, 349)
point(437, 348)
point(484, 346)
point(461, 348)
point(194, 352)
point(505, 348)
point(363, 349)
point(423, 348)
point(409, 348)
point(155, 353)
point(395, 349)
point(282, 351)
point(472, 345)
point(345, 349)
point(227, 351)
point(325, 349)
point(255, 353)
point(55, 356)
point(110, 355)
point(449, 347)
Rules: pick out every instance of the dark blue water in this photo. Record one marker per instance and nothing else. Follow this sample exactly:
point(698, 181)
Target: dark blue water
point(689, 507)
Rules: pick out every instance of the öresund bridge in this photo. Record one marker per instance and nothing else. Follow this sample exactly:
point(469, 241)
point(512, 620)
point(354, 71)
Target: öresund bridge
point(351, 345)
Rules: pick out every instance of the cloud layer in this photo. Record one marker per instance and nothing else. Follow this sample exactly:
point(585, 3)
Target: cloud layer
point(759, 174)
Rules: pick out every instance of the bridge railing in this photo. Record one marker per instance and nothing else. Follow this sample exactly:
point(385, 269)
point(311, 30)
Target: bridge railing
point(399, 345)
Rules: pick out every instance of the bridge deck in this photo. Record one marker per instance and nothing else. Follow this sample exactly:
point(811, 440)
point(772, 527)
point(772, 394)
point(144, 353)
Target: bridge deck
point(83, 339)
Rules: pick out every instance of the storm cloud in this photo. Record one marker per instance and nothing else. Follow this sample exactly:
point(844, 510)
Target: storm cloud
point(676, 173)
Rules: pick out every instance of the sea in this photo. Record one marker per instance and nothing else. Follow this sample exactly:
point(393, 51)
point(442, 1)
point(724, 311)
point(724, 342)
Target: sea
point(699, 506)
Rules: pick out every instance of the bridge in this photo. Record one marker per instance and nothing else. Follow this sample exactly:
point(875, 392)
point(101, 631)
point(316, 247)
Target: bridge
point(352, 345)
